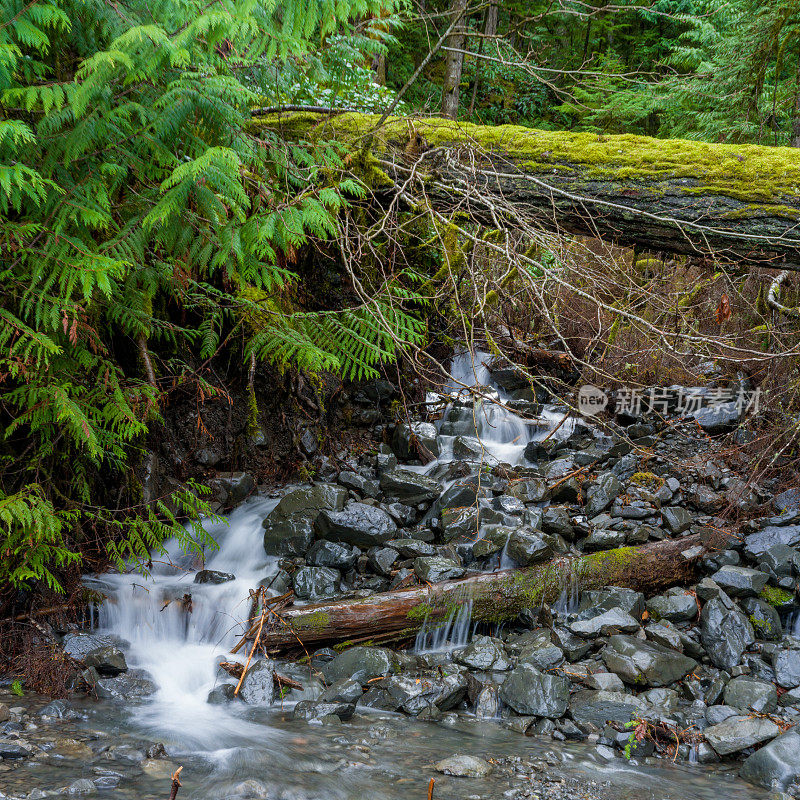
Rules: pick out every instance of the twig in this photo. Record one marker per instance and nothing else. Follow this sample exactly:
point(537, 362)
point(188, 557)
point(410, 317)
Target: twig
point(430, 789)
point(176, 783)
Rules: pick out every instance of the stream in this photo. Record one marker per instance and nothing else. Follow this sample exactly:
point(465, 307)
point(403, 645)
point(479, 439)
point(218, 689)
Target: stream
point(234, 750)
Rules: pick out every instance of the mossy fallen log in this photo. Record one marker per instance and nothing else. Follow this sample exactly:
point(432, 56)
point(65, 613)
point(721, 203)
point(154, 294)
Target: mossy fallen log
point(495, 596)
point(740, 202)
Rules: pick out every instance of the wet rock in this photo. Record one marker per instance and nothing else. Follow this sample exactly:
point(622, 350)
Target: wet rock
point(158, 768)
point(382, 559)
point(11, 750)
point(222, 694)
point(358, 483)
point(603, 539)
point(777, 764)
point(315, 583)
point(756, 544)
point(258, 688)
point(332, 554)
point(725, 632)
point(673, 607)
point(605, 624)
point(530, 490)
point(644, 663)
point(739, 733)
point(484, 653)
point(108, 661)
point(347, 690)
point(705, 499)
point(417, 440)
point(573, 646)
point(78, 644)
point(288, 537)
point(492, 541)
point(676, 519)
point(665, 635)
point(358, 524)
point(529, 691)
point(433, 569)
point(464, 767)
point(786, 664)
point(600, 707)
point(213, 576)
point(238, 486)
point(544, 657)
point(605, 682)
point(750, 694)
point(780, 560)
point(764, 618)
point(602, 493)
point(740, 581)
point(556, 520)
point(416, 694)
point(361, 664)
point(609, 598)
point(313, 710)
point(717, 714)
point(409, 487)
point(130, 685)
point(81, 786)
point(527, 547)
point(412, 548)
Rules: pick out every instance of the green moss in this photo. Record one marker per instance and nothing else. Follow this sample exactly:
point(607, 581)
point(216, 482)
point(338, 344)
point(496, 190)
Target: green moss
point(647, 479)
point(316, 619)
point(740, 171)
point(779, 598)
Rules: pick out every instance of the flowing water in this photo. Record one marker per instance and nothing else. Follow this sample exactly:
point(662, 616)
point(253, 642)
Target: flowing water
point(381, 756)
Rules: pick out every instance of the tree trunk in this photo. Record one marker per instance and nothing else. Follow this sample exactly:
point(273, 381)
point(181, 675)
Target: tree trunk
point(795, 141)
point(740, 202)
point(489, 30)
point(495, 596)
point(454, 61)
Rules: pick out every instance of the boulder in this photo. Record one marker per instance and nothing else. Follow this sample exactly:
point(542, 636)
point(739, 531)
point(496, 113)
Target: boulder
point(739, 733)
point(127, 686)
point(740, 581)
point(750, 694)
point(718, 418)
point(600, 707)
point(316, 583)
point(312, 710)
point(764, 618)
point(786, 664)
point(777, 764)
point(676, 519)
point(527, 547)
point(407, 439)
point(529, 691)
point(78, 644)
point(288, 537)
point(213, 576)
point(530, 490)
point(361, 664)
point(603, 539)
point(673, 607)
point(358, 524)
point(381, 559)
point(108, 661)
point(484, 653)
point(409, 487)
point(725, 632)
point(464, 767)
point(595, 601)
point(435, 568)
point(606, 623)
point(358, 483)
point(417, 694)
point(258, 687)
point(556, 520)
point(758, 543)
point(544, 657)
point(332, 554)
point(602, 493)
point(643, 663)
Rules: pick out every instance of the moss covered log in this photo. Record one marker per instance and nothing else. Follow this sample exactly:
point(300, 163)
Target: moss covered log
point(495, 596)
point(736, 201)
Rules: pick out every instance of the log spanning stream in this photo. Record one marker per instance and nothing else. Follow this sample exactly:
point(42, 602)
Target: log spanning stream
point(375, 755)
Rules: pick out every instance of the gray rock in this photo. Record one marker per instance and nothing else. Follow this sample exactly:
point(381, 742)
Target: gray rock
point(764, 618)
point(717, 714)
point(602, 493)
point(359, 524)
point(78, 644)
point(464, 767)
point(605, 624)
point(11, 750)
point(127, 686)
point(556, 520)
point(673, 607)
point(528, 547)
point(676, 519)
point(594, 601)
point(258, 688)
point(756, 544)
point(786, 664)
point(409, 487)
point(529, 691)
point(777, 764)
point(434, 568)
point(605, 682)
point(739, 733)
point(316, 710)
point(417, 694)
point(82, 786)
point(213, 576)
point(358, 483)
point(382, 559)
point(543, 657)
point(603, 539)
point(237, 485)
point(718, 418)
point(484, 653)
point(288, 537)
point(705, 499)
point(412, 548)
point(361, 664)
point(347, 690)
point(108, 661)
point(644, 663)
point(573, 646)
point(725, 632)
point(600, 707)
point(530, 490)
point(487, 704)
point(417, 440)
point(315, 583)
point(666, 635)
point(332, 554)
point(222, 694)
point(747, 693)
point(740, 581)
point(781, 560)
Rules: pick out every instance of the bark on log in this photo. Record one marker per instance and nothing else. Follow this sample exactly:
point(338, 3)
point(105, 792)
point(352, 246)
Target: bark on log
point(740, 202)
point(495, 596)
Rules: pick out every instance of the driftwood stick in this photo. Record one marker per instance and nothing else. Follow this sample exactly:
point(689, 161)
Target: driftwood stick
point(176, 783)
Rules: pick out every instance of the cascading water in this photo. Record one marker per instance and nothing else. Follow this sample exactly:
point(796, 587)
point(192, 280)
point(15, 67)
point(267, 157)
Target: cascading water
point(453, 633)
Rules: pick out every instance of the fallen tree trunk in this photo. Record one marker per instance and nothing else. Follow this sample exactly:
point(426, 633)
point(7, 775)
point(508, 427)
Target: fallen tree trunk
point(495, 596)
point(736, 201)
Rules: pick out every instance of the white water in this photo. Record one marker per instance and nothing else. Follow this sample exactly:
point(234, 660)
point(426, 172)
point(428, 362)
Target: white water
point(451, 634)
point(181, 650)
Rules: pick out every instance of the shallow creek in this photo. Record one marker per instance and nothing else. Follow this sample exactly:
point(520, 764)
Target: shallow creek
point(375, 756)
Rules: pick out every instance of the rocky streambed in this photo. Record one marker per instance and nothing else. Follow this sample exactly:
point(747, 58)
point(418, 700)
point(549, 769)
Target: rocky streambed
point(607, 692)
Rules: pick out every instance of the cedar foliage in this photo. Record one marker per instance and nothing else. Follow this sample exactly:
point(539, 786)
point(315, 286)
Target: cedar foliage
point(138, 212)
